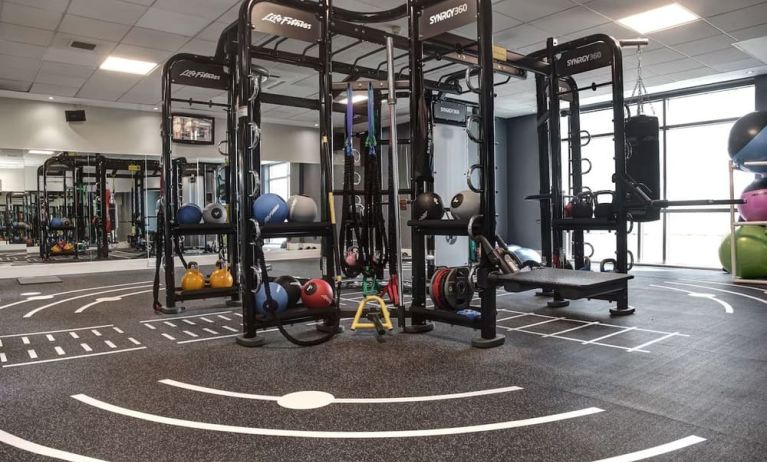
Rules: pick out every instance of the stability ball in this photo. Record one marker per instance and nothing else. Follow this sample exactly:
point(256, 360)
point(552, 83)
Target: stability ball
point(279, 295)
point(293, 288)
point(214, 213)
point(465, 205)
point(751, 242)
point(317, 293)
point(270, 208)
point(748, 141)
point(301, 209)
point(755, 196)
point(189, 214)
point(428, 206)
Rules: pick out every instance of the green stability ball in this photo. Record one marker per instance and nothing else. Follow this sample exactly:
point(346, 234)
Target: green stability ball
point(751, 242)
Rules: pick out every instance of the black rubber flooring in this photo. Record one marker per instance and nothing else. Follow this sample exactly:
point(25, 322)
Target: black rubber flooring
point(681, 366)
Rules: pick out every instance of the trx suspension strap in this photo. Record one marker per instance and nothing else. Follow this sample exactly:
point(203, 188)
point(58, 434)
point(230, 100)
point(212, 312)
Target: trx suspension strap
point(350, 228)
point(374, 227)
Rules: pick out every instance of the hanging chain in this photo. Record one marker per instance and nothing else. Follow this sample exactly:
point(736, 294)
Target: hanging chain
point(640, 91)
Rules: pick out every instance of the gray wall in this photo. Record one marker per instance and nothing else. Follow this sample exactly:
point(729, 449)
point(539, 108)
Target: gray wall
point(522, 218)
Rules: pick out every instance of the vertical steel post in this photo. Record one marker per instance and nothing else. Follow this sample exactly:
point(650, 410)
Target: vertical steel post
point(166, 198)
point(544, 178)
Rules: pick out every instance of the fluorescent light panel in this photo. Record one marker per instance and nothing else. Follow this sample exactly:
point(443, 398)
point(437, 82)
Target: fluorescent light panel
point(665, 17)
point(40, 151)
point(128, 66)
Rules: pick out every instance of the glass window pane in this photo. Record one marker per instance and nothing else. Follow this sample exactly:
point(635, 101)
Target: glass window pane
point(711, 106)
point(694, 238)
point(651, 248)
point(280, 186)
point(597, 122)
point(279, 170)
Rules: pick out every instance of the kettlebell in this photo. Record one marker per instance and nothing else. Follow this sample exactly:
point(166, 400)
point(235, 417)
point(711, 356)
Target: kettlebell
point(583, 205)
point(221, 277)
point(604, 209)
point(55, 249)
point(568, 211)
point(193, 278)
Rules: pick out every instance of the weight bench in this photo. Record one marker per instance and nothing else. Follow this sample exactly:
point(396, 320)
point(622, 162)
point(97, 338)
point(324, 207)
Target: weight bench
point(570, 284)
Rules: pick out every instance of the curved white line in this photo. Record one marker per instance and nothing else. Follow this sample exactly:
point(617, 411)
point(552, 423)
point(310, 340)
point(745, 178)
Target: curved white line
point(18, 302)
point(44, 307)
point(406, 399)
point(331, 434)
point(657, 450)
point(727, 307)
point(760, 300)
point(35, 448)
point(89, 305)
point(739, 286)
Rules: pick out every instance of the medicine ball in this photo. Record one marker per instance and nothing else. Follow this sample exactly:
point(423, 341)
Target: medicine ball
point(66, 222)
point(301, 209)
point(428, 206)
point(55, 222)
point(352, 257)
point(293, 288)
point(465, 205)
point(751, 243)
point(748, 141)
point(317, 293)
point(214, 213)
point(189, 214)
point(755, 196)
point(270, 208)
point(279, 296)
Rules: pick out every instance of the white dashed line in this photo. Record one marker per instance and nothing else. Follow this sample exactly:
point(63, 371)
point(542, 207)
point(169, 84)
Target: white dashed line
point(238, 314)
point(207, 320)
point(59, 351)
point(74, 335)
point(210, 331)
point(118, 330)
point(96, 333)
point(86, 347)
point(25, 340)
point(150, 326)
point(3, 359)
point(32, 354)
point(187, 321)
point(230, 329)
point(170, 324)
point(110, 344)
point(224, 317)
point(91, 355)
point(50, 338)
point(191, 334)
point(134, 341)
point(168, 336)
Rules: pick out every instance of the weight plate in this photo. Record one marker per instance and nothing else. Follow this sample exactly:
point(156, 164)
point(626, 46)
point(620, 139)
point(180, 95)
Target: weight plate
point(434, 290)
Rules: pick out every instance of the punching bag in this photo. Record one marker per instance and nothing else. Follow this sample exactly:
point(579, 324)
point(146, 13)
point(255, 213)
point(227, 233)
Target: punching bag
point(643, 163)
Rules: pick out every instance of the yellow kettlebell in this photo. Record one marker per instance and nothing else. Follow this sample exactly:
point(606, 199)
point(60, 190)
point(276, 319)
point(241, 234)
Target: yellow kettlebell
point(221, 277)
point(69, 247)
point(55, 249)
point(193, 278)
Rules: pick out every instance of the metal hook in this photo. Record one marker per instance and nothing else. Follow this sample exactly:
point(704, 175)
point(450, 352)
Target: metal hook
point(468, 178)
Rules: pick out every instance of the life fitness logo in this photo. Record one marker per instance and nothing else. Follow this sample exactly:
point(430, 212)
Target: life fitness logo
point(584, 59)
point(449, 13)
point(275, 18)
point(200, 75)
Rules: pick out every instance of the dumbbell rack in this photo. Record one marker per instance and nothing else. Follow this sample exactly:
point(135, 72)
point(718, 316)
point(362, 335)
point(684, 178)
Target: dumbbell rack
point(735, 224)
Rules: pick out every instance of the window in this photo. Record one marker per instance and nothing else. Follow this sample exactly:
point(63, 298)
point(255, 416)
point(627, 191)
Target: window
point(277, 181)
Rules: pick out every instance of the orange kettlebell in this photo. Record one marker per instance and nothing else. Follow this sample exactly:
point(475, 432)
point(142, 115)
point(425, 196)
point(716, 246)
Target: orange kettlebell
point(221, 277)
point(193, 278)
point(55, 249)
point(69, 247)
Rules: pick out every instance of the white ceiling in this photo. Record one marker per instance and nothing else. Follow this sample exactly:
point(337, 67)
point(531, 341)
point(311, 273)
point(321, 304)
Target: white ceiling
point(36, 57)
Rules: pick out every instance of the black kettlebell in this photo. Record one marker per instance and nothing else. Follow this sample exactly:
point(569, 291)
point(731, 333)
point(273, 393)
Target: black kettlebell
point(583, 205)
point(604, 209)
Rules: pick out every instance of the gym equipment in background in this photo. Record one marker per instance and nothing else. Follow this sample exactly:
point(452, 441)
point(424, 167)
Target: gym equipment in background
point(465, 205)
point(583, 205)
point(381, 326)
point(751, 243)
point(755, 197)
point(214, 213)
point(604, 209)
point(279, 298)
point(293, 288)
point(301, 209)
point(451, 288)
point(317, 293)
point(643, 164)
point(193, 278)
point(189, 214)
point(270, 209)
point(748, 141)
point(428, 206)
point(221, 277)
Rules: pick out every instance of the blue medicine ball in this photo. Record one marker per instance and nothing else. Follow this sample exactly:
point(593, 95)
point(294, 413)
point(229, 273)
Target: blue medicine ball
point(189, 214)
point(279, 295)
point(270, 208)
point(55, 222)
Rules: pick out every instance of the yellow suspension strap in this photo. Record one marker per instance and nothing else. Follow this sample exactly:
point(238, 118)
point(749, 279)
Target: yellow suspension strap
point(381, 326)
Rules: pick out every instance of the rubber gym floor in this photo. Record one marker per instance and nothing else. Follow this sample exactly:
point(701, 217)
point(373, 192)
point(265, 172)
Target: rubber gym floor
point(89, 372)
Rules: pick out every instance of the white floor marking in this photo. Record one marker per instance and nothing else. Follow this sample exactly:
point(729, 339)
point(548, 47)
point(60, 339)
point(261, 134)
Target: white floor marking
point(168, 336)
point(50, 338)
point(110, 299)
point(32, 354)
point(34, 448)
point(50, 296)
point(238, 314)
point(170, 324)
point(511, 317)
point(29, 294)
point(86, 347)
point(134, 341)
point(334, 434)
point(3, 358)
point(183, 317)
point(535, 324)
point(405, 399)
point(572, 329)
point(760, 300)
point(660, 339)
point(118, 330)
point(205, 339)
point(657, 450)
point(59, 351)
point(76, 357)
point(739, 286)
point(727, 307)
point(627, 329)
point(191, 323)
point(1, 343)
point(74, 335)
point(150, 326)
point(110, 344)
point(30, 334)
point(25, 340)
point(230, 329)
point(96, 332)
point(210, 331)
point(191, 334)
point(224, 317)
point(45, 307)
point(202, 318)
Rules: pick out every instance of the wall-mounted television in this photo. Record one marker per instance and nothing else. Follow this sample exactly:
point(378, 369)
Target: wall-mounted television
point(193, 129)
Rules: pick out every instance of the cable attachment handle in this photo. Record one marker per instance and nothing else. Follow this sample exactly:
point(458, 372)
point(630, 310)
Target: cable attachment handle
point(255, 135)
point(469, 71)
point(220, 151)
point(469, 122)
point(256, 180)
point(469, 174)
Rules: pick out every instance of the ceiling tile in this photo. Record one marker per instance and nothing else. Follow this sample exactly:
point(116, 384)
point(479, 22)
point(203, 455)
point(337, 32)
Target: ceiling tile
point(140, 98)
point(213, 32)
point(65, 69)
point(15, 85)
point(53, 5)
point(617, 9)
point(173, 22)
point(88, 27)
point(207, 9)
point(140, 53)
point(686, 33)
point(21, 49)
point(749, 63)
point(520, 36)
point(713, 7)
point(706, 45)
point(200, 47)
point(108, 10)
point(722, 56)
point(107, 86)
point(659, 56)
point(150, 38)
point(500, 23)
point(526, 10)
point(23, 15)
point(23, 34)
point(20, 62)
point(141, 2)
point(672, 67)
point(54, 90)
point(62, 80)
point(739, 19)
point(61, 51)
point(569, 21)
point(17, 73)
point(751, 32)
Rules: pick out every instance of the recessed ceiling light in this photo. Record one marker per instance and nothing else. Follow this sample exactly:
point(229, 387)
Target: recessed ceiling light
point(355, 99)
point(316, 125)
point(39, 151)
point(658, 19)
point(50, 98)
point(129, 66)
point(157, 109)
